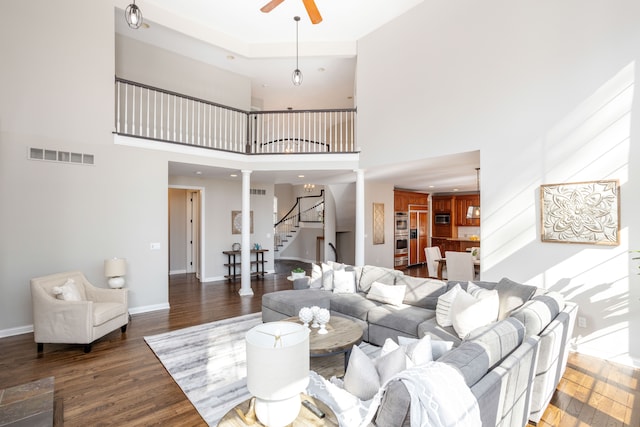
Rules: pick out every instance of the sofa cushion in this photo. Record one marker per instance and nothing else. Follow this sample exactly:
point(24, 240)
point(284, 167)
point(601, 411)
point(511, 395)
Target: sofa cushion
point(485, 348)
point(105, 311)
point(388, 294)
point(369, 273)
point(537, 313)
point(437, 332)
point(290, 302)
point(421, 292)
point(405, 318)
point(354, 305)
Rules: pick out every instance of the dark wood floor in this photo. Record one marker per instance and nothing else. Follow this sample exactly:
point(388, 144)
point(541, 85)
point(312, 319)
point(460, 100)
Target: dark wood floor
point(122, 383)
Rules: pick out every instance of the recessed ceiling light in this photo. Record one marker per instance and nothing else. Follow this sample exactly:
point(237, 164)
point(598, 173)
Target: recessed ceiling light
point(198, 172)
point(432, 186)
point(455, 189)
point(300, 176)
point(233, 175)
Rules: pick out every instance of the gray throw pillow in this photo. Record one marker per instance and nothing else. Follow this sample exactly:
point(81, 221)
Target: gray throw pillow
point(512, 295)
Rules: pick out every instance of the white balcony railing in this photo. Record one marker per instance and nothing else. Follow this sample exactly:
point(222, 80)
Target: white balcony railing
point(146, 112)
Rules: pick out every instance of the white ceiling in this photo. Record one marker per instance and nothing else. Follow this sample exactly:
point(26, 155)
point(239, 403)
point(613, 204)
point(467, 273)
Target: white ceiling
point(236, 36)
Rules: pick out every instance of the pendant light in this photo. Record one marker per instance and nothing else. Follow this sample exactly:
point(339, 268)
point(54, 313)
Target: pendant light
point(473, 212)
point(297, 74)
point(133, 16)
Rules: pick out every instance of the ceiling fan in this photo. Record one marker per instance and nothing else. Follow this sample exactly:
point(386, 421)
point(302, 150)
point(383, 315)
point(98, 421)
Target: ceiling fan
point(310, 5)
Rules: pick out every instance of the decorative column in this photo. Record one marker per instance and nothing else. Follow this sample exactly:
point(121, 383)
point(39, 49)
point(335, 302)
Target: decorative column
point(359, 217)
point(245, 255)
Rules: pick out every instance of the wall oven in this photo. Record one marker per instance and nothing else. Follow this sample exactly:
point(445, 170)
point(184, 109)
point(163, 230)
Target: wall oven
point(402, 243)
point(402, 222)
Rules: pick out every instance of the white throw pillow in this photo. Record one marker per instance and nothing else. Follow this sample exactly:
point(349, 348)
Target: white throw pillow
point(344, 282)
point(68, 291)
point(470, 312)
point(327, 277)
point(315, 282)
point(361, 377)
point(365, 376)
point(443, 307)
point(388, 294)
point(417, 350)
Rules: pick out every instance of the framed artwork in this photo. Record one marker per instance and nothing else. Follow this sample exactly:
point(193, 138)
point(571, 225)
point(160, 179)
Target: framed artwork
point(236, 222)
point(581, 212)
point(378, 223)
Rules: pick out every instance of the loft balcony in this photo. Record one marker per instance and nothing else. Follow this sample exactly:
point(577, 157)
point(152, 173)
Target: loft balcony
point(151, 113)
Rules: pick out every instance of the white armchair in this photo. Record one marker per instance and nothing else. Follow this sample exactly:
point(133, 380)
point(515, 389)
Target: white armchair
point(81, 320)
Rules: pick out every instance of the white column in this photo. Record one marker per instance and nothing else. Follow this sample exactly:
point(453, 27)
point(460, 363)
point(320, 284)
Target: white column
point(245, 255)
point(359, 217)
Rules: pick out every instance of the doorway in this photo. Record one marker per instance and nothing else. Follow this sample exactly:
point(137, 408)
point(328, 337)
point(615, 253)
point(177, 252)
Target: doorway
point(185, 230)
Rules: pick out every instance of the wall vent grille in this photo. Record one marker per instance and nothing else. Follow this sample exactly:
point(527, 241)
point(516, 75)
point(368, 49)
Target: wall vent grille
point(61, 156)
point(258, 192)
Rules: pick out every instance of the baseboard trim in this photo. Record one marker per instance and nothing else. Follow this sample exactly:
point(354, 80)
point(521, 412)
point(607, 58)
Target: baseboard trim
point(172, 272)
point(16, 331)
point(149, 308)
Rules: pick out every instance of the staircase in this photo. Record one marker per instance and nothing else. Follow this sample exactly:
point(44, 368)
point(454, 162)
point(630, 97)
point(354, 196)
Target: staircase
point(307, 209)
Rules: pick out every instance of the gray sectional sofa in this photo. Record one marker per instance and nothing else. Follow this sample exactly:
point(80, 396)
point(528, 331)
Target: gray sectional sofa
point(512, 365)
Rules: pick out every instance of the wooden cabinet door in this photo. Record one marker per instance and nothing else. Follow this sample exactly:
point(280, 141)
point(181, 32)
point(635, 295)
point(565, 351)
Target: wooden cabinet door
point(423, 219)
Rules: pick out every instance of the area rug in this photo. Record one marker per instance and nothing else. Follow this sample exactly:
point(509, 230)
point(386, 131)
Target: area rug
point(208, 362)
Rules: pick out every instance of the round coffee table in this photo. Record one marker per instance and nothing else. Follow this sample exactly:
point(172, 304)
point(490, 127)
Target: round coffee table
point(306, 418)
point(342, 334)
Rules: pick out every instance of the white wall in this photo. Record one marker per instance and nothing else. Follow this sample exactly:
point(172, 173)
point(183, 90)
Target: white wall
point(377, 192)
point(57, 92)
point(546, 91)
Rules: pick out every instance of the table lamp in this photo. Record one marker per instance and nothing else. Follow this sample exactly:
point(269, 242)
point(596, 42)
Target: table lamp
point(115, 269)
point(277, 370)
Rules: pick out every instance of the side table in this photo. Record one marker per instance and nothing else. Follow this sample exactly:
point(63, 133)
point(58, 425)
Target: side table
point(305, 418)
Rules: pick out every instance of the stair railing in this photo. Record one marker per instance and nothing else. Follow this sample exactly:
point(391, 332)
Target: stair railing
point(305, 209)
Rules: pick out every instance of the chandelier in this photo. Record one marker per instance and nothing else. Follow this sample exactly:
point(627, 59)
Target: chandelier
point(309, 187)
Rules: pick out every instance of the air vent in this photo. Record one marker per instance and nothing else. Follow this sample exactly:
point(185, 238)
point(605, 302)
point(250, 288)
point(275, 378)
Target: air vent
point(258, 191)
point(60, 156)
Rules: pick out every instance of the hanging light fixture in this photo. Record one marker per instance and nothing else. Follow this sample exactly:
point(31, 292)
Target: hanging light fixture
point(473, 212)
point(297, 74)
point(133, 16)
point(309, 188)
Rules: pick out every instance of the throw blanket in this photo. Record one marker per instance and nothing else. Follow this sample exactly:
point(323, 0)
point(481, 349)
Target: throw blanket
point(439, 398)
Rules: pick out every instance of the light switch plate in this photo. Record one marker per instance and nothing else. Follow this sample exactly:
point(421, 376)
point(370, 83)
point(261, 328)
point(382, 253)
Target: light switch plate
point(154, 246)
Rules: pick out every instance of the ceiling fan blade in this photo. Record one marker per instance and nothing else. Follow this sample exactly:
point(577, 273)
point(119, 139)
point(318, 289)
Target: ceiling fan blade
point(312, 10)
point(270, 6)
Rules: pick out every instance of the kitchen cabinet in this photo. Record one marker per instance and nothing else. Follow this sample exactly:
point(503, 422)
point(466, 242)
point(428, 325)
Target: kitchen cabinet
point(402, 200)
point(462, 205)
point(441, 204)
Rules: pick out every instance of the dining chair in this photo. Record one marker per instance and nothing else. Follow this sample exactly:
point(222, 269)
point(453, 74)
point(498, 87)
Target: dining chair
point(432, 254)
point(459, 266)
